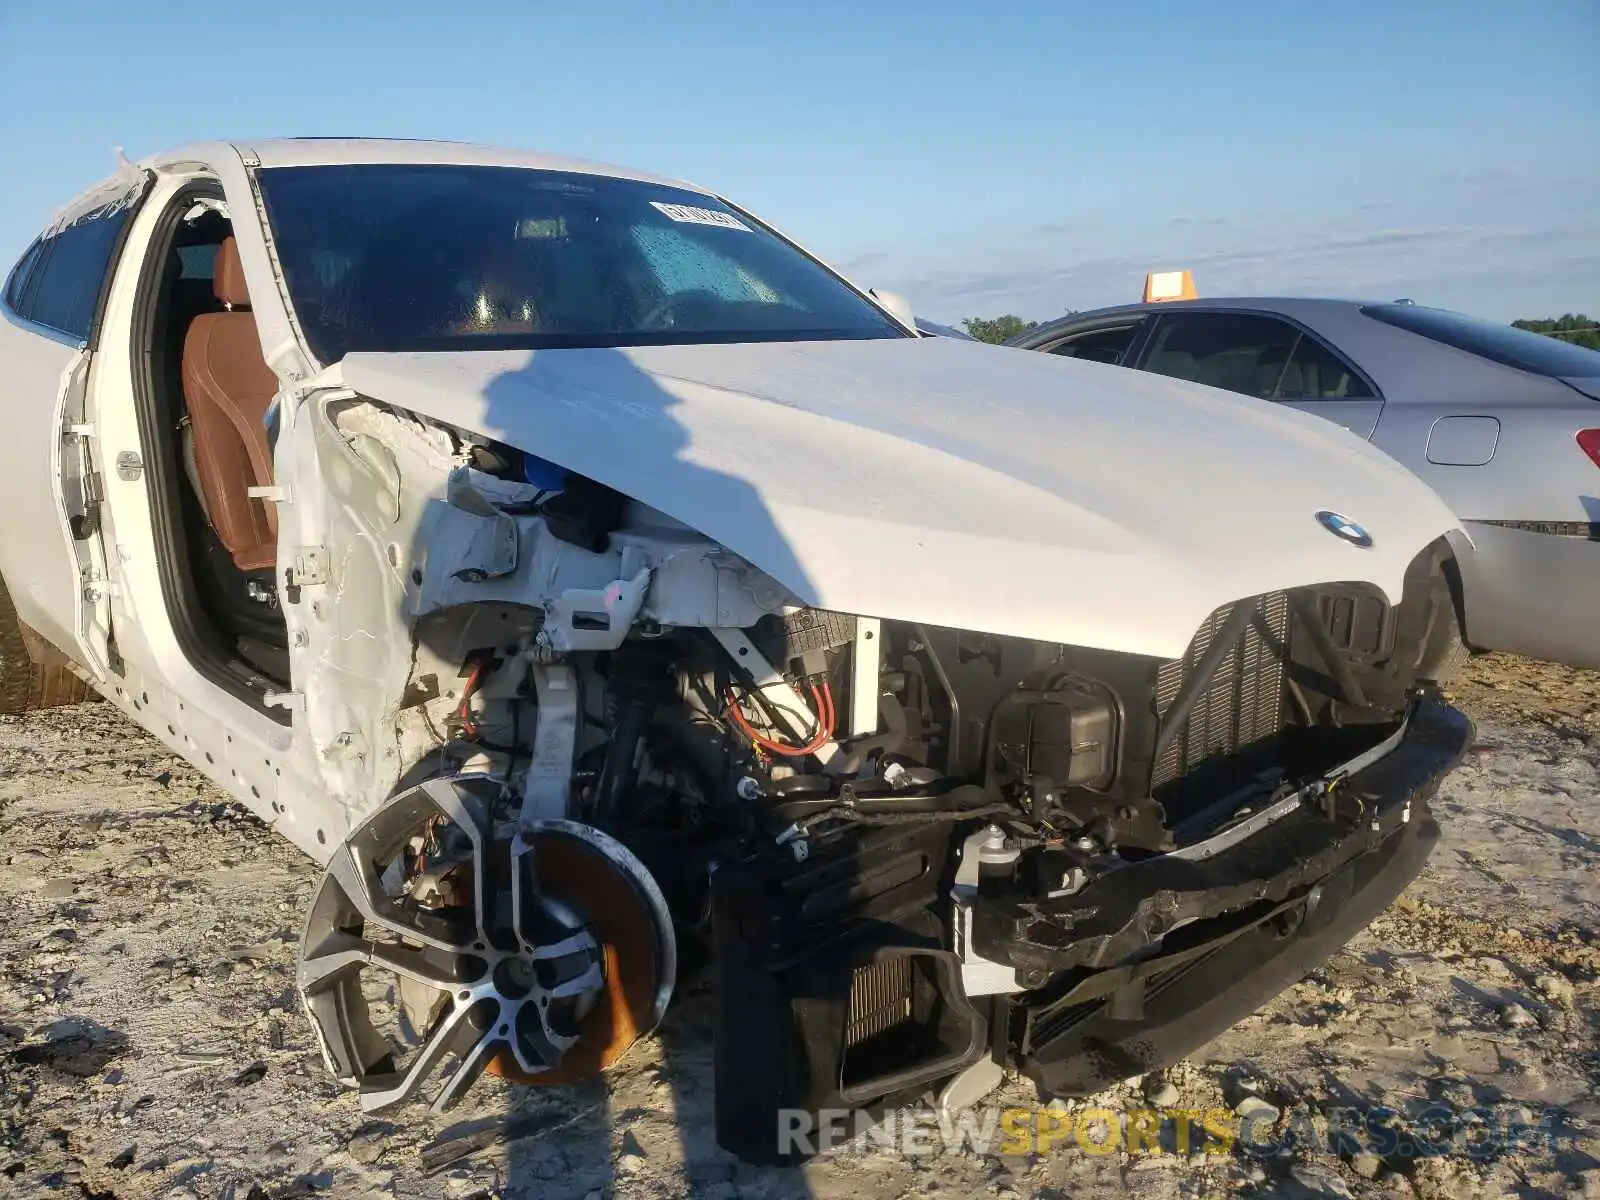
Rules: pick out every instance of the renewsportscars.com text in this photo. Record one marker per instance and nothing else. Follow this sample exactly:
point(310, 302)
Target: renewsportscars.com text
point(1427, 1131)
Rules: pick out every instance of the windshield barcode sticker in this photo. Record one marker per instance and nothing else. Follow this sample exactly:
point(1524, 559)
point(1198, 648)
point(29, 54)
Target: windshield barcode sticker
point(699, 216)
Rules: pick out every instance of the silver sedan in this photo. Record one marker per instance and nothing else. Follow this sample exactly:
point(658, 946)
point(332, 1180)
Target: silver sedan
point(1504, 424)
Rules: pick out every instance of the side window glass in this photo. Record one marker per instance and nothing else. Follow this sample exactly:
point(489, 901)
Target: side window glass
point(74, 268)
point(1317, 373)
point(1106, 345)
point(1240, 352)
point(17, 284)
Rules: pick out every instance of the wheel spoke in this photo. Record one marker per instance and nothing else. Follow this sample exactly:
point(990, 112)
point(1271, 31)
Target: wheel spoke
point(382, 1091)
point(352, 953)
point(549, 1048)
point(591, 980)
point(414, 964)
point(316, 973)
point(467, 1071)
point(577, 943)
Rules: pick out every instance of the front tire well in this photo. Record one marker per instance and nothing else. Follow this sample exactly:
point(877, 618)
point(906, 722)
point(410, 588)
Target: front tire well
point(1434, 609)
point(1451, 569)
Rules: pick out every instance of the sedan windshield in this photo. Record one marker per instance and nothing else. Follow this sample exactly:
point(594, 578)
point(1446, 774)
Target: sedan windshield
point(402, 257)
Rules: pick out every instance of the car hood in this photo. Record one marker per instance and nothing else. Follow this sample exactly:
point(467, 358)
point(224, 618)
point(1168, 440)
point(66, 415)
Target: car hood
point(950, 482)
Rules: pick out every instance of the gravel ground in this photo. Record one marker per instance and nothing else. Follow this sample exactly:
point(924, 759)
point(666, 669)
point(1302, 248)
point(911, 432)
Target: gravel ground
point(151, 1046)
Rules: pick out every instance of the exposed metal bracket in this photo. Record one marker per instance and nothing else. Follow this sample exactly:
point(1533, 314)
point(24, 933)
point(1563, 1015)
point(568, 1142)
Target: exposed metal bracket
point(980, 976)
point(594, 618)
point(547, 786)
point(310, 566)
point(865, 657)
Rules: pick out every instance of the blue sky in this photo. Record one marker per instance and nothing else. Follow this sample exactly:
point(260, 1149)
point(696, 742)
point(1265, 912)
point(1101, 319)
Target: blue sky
point(977, 158)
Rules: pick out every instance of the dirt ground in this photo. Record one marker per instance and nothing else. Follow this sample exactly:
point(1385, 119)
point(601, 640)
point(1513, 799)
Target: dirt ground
point(151, 1044)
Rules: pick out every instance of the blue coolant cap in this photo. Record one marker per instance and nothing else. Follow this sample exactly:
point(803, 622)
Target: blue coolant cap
point(543, 474)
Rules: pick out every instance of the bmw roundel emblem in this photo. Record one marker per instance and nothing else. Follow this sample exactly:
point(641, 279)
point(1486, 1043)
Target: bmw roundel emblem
point(1342, 526)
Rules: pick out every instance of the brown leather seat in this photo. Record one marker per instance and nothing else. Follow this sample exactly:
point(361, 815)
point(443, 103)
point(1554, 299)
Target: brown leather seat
point(227, 387)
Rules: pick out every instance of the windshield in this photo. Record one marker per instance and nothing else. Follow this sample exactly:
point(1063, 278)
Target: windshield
point(1503, 344)
point(403, 257)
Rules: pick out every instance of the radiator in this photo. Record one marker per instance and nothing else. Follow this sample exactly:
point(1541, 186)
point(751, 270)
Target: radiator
point(880, 998)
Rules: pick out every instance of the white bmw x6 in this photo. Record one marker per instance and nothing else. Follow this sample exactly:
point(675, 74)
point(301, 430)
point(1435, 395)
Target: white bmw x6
point(595, 584)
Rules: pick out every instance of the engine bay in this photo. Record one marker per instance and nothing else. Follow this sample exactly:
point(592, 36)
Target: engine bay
point(625, 755)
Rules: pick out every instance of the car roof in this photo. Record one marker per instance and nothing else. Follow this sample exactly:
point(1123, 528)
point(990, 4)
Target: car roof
point(1403, 364)
point(336, 151)
point(1293, 306)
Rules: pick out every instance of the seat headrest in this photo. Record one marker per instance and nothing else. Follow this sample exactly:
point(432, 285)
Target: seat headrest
point(228, 280)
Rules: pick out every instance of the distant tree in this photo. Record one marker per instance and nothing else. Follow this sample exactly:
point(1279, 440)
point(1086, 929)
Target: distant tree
point(1577, 328)
point(997, 329)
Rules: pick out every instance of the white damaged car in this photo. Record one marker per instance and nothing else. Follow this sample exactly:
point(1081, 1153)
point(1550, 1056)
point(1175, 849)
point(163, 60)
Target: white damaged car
point(602, 588)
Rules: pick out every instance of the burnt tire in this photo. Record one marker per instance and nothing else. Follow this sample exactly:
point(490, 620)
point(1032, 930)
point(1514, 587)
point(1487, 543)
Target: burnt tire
point(33, 674)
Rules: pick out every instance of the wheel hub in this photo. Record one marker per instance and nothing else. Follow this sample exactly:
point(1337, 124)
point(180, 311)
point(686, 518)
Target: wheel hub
point(539, 953)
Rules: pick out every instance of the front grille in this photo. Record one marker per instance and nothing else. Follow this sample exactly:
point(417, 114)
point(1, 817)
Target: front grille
point(1243, 705)
point(880, 998)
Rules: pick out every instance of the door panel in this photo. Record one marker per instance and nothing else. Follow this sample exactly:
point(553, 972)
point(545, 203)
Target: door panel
point(50, 542)
point(37, 556)
point(1360, 417)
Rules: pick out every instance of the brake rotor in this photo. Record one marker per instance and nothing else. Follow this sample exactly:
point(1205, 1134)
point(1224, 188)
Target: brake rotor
point(624, 926)
point(541, 954)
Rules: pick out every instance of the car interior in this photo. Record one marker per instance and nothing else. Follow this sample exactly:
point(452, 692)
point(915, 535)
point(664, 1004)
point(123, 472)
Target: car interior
point(1249, 370)
point(1251, 355)
point(1105, 345)
point(210, 389)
